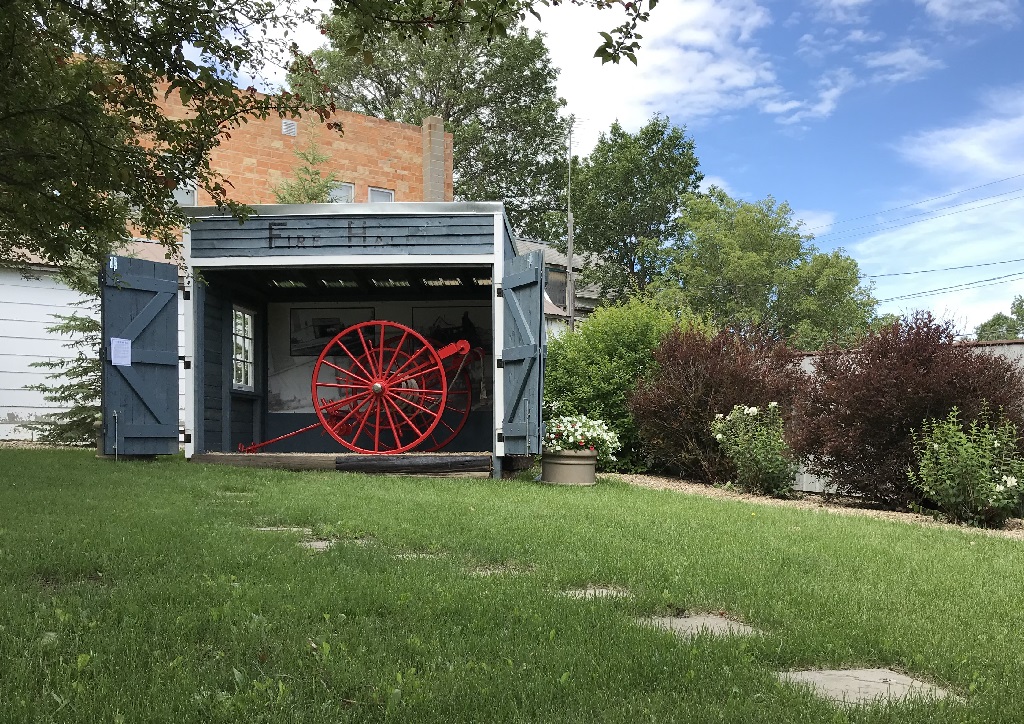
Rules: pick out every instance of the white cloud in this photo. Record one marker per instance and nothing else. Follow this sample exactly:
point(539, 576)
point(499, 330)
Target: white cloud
point(900, 65)
point(718, 181)
point(698, 59)
point(972, 11)
point(815, 222)
point(816, 48)
point(842, 11)
point(986, 147)
point(831, 86)
point(982, 235)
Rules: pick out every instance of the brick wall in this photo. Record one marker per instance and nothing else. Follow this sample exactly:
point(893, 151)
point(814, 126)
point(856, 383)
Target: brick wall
point(368, 152)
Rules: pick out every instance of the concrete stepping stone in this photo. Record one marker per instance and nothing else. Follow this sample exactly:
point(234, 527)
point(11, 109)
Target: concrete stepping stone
point(863, 686)
point(495, 570)
point(689, 626)
point(591, 592)
point(414, 556)
point(319, 545)
point(286, 529)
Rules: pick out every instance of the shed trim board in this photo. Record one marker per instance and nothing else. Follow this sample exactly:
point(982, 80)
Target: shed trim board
point(438, 240)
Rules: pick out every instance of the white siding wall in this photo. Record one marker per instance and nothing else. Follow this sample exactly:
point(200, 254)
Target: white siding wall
point(27, 306)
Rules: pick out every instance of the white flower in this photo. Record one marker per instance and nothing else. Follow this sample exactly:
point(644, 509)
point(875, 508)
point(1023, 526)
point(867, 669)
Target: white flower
point(1000, 488)
point(995, 444)
point(718, 437)
point(751, 411)
point(935, 445)
point(1011, 482)
point(719, 416)
point(773, 404)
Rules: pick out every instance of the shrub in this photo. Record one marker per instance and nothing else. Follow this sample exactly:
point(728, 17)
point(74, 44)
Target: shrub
point(855, 423)
point(579, 432)
point(752, 440)
point(972, 476)
point(591, 371)
point(697, 376)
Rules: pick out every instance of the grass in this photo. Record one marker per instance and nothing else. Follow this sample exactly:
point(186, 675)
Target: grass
point(139, 592)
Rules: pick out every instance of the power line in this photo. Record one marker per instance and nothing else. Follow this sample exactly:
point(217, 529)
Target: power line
point(939, 216)
point(958, 287)
point(948, 268)
point(918, 203)
point(924, 213)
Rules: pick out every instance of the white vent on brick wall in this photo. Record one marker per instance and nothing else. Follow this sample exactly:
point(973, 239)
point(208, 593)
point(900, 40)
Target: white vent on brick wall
point(289, 128)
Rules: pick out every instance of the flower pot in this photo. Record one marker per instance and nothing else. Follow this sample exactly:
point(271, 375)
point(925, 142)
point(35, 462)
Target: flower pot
point(569, 467)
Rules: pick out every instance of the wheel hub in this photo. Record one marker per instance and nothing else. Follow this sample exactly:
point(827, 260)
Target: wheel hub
point(377, 388)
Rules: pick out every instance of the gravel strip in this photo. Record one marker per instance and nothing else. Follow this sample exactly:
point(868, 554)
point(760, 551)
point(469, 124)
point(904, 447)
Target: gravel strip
point(1014, 527)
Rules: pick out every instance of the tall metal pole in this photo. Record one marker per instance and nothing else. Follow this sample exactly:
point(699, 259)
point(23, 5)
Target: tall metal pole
point(570, 283)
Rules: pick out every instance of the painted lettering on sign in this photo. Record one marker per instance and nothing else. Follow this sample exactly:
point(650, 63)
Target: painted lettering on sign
point(280, 238)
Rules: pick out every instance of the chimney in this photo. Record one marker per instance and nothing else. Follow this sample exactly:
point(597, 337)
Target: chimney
point(433, 159)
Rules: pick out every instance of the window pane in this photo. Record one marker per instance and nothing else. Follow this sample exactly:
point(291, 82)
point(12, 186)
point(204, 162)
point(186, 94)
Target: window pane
point(377, 195)
point(343, 193)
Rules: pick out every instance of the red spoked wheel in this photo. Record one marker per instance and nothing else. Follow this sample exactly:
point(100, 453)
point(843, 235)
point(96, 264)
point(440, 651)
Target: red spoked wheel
point(379, 387)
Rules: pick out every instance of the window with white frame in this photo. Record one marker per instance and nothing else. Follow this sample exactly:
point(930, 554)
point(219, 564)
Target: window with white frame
point(377, 195)
point(342, 193)
point(185, 194)
point(243, 359)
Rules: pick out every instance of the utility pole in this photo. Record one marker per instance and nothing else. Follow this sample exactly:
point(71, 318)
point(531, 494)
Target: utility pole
point(570, 283)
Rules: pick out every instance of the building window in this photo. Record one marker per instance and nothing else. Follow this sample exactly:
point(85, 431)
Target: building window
point(185, 194)
point(555, 284)
point(243, 358)
point(378, 195)
point(342, 193)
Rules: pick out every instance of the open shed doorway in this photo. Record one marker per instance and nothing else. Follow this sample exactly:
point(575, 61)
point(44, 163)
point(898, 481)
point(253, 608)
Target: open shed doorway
point(262, 330)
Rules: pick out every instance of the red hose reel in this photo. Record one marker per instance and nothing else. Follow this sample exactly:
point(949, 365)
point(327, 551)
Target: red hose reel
point(382, 388)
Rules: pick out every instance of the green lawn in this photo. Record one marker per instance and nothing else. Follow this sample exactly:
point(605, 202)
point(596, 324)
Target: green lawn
point(139, 592)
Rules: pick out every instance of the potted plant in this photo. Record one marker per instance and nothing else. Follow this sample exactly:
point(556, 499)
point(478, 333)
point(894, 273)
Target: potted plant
point(573, 446)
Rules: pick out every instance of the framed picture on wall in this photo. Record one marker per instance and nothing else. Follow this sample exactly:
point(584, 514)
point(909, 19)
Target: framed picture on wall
point(450, 324)
point(311, 328)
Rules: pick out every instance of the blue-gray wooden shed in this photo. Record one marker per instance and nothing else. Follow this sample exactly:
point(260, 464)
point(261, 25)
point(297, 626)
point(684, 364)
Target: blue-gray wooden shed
point(287, 264)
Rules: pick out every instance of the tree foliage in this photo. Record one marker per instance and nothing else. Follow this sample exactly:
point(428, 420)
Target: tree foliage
point(593, 370)
point(626, 197)
point(309, 185)
point(85, 146)
point(497, 97)
point(855, 425)
point(1003, 326)
point(696, 376)
point(746, 263)
point(375, 20)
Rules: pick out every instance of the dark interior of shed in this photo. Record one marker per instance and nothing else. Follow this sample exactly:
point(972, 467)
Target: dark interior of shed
point(263, 328)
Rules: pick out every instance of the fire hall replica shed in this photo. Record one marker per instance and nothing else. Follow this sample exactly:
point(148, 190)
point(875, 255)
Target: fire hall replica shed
point(346, 329)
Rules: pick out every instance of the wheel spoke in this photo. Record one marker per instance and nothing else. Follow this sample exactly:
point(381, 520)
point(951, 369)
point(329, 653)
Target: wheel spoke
point(355, 361)
point(409, 422)
point(413, 356)
point(362, 423)
point(417, 406)
point(343, 401)
point(395, 428)
point(349, 372)
point(341, 385)
point(369, 355)
point(343, 420)
point(398, 348)
point(416, 391)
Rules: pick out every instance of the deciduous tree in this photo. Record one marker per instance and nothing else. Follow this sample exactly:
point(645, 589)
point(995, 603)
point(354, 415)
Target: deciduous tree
point(496, 96)
point(746, 263)
point(85, 146)
point(1002, 326)
point(627, 195)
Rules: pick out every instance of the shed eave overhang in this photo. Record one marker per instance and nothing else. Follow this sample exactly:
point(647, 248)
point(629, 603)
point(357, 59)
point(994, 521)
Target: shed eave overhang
point(379, 209)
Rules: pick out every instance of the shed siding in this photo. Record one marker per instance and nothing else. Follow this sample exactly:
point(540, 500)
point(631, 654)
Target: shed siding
point(342, 234)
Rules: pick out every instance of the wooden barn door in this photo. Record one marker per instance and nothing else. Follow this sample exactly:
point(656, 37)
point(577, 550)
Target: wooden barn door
point(523, 353)
point(140, 357)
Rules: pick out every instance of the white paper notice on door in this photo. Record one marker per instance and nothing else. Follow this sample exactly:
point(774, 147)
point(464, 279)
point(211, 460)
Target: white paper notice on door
point(120, 352)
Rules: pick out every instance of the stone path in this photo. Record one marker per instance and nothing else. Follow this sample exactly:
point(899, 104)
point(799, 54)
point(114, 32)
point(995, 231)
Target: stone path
point(863, 686)
point(591, 592)
point(689, 626)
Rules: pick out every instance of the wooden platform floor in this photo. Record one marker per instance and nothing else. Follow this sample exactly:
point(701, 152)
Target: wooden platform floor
point(441, 464)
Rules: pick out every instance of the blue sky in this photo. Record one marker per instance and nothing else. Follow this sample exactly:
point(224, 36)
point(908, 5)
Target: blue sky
point(846, 109)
